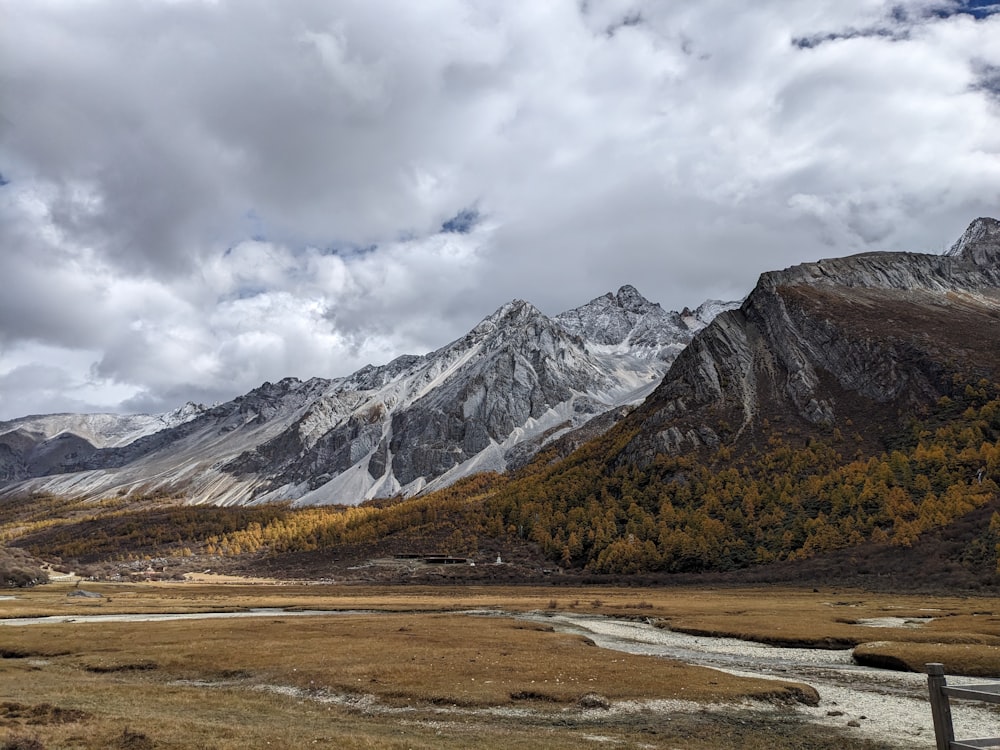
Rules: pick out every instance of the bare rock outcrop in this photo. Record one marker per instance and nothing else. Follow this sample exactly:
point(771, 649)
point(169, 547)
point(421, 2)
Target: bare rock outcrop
point(822, 341)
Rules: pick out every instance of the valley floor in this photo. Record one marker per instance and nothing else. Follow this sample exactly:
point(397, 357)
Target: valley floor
point(408, 667)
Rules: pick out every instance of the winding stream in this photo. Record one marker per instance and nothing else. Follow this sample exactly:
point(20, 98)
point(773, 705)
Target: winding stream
point(164, 617)
point(888, 706)
point(883, 705)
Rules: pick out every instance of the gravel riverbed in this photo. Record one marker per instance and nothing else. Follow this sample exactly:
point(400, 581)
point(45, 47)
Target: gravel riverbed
point(891, 707)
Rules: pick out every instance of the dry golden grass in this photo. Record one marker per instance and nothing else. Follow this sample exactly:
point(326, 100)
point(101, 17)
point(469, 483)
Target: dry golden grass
point(782, 616)
point(291, 682)
point(973, 660)
point(824, 620)
point(401, 659)
point(423, 676)
point(188, 716)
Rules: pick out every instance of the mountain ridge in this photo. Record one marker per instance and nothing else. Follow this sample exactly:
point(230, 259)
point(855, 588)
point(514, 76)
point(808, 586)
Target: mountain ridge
point(847, 410)
point(805, 332)
point(519, 377)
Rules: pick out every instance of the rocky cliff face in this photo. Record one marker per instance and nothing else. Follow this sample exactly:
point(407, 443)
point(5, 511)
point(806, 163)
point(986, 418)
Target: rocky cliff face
point(857, 338)
point(486, 401)
point(978, 243)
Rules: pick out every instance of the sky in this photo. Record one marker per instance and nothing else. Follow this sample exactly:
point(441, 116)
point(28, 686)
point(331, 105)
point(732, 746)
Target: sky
point(197, 196)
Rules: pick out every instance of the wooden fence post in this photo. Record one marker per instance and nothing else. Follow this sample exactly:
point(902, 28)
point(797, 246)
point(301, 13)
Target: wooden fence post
point(944, 731)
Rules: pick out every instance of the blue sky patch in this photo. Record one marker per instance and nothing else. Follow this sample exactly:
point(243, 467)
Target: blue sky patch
point(462, 222)
point(901, 19)
point(976, 8)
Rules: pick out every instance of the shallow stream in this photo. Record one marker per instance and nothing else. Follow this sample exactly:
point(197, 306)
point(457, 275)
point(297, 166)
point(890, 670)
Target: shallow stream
point(888, 706)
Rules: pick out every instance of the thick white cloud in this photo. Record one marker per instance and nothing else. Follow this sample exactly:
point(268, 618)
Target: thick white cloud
point(200, 196)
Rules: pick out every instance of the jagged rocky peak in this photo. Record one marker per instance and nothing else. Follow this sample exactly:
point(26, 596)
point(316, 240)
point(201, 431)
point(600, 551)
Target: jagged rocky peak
point(628, 298)
point(513, 312)
point(979, 243)
point(189, 410)
point(710, 309)
point(516, 319)
point(371, 377)
point(628, 322)
point(610, 318)
point(706, 312)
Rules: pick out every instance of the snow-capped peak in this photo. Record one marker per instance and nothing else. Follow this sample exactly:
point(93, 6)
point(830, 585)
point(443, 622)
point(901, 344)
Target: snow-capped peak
point(631, 324)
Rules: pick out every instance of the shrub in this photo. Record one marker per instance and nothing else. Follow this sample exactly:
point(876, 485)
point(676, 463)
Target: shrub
point(22, 743)
point(18, 570)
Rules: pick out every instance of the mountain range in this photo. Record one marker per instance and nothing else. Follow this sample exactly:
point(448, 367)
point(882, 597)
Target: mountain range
point(487, 401)
point(845, 416)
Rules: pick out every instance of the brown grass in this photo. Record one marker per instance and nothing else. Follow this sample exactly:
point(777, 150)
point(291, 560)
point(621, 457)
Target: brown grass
point(437, 659)
point(791, 617)
point(958, 659)
point(776, 615)
point(425, 676)
point(353, 681)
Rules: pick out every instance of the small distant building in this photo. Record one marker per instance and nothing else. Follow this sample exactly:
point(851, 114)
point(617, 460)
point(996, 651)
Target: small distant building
point(432, 558)
point(445, 560)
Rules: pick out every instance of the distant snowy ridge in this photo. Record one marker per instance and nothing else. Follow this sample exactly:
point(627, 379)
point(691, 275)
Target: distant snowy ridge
point(102, 430)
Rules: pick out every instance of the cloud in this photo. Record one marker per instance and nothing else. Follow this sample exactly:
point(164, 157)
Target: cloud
point(41, 379)
point(198, 196)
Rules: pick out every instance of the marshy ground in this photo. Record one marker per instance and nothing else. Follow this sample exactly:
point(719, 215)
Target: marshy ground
point(414, 671)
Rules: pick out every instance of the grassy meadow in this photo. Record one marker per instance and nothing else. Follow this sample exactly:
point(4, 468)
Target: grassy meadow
point(416, 674)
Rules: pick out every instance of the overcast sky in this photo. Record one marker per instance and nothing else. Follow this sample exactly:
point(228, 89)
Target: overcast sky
point(198, 196)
